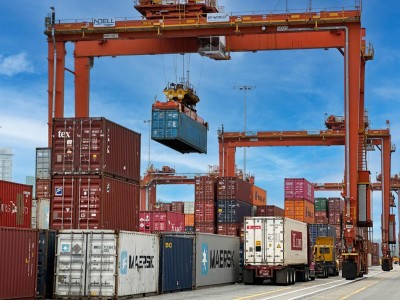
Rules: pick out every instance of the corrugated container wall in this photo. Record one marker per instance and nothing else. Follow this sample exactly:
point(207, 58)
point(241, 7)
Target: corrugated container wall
point(18, 263)
point(94, 202)
point(95, 146)
point(188, 208)
point(321, 204)
point(177, 206)
point(233, 188)
point(300, 210)
point(205, 227)
point(43, 163)
point(46, 257)
point(231, 229)
point(392, 229)
point(217, 259)
point(42, 214)
point(15, 204)
point(233, 211)
point(157, 221)
point(106, 264)
point(177, 263)
point(258, 196)
point(299, 189)
point(205, 188)
point(269, 211)
point(43, 188)
point(176, 130)
point(205, 211)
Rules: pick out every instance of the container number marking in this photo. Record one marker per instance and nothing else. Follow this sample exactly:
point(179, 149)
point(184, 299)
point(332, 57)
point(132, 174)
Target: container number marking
point(168, 245)
point(282, 28)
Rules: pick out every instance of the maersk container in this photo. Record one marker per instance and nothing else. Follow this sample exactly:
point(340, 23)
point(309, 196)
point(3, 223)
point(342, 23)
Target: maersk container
point(94, 202)
point(275, 241)
point(217, 259)
point(43, 163)
point(46, 256)
point(95, 146)
point(106, 264)
point(176, 130)
point(18, 263)
point(233, 211)
point(177, 263)
point(15, 204)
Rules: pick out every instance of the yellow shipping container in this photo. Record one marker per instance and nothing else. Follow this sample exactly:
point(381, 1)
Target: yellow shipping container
point(189, 219)
point(300, 210)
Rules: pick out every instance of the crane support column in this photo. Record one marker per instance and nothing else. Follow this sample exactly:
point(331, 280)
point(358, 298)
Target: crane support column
point(82, 86)
point(386, 159)
point(56, 66)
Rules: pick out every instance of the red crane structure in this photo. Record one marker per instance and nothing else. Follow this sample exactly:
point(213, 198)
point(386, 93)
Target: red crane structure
point(215, 35)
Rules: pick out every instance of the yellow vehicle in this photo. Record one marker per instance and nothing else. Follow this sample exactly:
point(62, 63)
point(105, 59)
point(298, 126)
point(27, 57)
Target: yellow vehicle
point(325, 257)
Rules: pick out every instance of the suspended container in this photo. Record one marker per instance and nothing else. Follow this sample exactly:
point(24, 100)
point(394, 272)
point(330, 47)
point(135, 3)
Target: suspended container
point(178, 128)
point(106, 264)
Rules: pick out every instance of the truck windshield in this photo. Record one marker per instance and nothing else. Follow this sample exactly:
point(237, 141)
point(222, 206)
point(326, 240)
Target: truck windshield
point(324, 250)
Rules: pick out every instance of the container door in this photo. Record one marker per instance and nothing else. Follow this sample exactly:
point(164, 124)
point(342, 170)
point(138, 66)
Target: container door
point(177, 263)
point(101, 272)
point(46, 249)
point(274, 240)
point(71, 264)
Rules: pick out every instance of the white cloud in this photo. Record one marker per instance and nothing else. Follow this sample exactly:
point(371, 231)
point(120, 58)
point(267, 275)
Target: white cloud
point(15, 64)
point(387, 92)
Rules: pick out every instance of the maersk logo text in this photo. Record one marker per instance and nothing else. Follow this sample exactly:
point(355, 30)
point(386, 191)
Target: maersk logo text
point(221, 259)
point(204, 261)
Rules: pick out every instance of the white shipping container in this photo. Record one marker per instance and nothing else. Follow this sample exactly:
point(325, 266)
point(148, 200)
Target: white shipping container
point(42, 213)
point(106, 263)
point(188, 208)
point(275, 241)
point(34, 214)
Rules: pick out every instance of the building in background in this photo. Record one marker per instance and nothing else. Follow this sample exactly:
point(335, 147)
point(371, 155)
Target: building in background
point(6, 164)
point(30, 180)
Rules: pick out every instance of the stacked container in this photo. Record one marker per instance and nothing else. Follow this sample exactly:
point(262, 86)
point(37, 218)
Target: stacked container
point(317, 230)
point(234, 203)
point(161, 221)
point(177, 206)
point(258, 196)
point(335, 210)
point(269, 211)
point(205, 204)
point(321, 211)
point(95, 175)
point(188, 209)
point(15, 204)
point(299, 200)
point(162, 207)
point(375, 254)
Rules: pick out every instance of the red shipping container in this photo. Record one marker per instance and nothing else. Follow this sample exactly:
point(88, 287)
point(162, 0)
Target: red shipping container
point(205, 227)
point(321, 220)
point(205, 188)
point(321, 214)
point(177, 206)
point(269, 211)
point(335, 218)
point(95, 146)
point(18, 263)
point(258, 196)
point(232, 229)
point(205, 211)
point(161, 221)
point(161, 207)
point(43, 188)
point(94, 202)
point(233, 188)
point(15, 204)
point(299, 189)
point(335, 205)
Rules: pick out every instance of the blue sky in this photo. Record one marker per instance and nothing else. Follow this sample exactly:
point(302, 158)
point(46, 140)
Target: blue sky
point(294, 90)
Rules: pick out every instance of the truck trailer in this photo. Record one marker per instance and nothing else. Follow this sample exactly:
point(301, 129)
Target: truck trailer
point(278, 249)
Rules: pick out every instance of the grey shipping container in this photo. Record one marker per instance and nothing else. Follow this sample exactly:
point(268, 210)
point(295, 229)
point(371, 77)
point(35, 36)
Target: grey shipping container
point(46, 256)
point(176, 130)
point(217, 259)
point(95, 146)
point(18, 263)
point(106, 264)
point(233, 211)
point(43, 163)
point(176, 263)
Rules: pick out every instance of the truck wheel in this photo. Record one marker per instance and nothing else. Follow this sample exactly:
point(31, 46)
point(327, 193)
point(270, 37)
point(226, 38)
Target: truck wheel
point(306, 275)
point(282, 277)
point(293, 276)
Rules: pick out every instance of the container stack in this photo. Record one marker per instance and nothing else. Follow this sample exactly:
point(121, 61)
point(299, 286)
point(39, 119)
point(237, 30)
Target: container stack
point(205, 204)
point(375, 254)
point(233, 195)
point(269, 211)
point(41, 199)
point(335, 209)
point(321, 211)
point(189, 216)
point(95, 175)
point(317, 230)
point(299, 200)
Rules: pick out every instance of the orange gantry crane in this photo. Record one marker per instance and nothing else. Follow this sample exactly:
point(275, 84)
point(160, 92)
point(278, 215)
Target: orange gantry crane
point(216, 35)
point(354, 233)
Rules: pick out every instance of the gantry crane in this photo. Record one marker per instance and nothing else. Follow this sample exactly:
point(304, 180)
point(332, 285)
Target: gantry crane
point(355, 235)
point(183, 33)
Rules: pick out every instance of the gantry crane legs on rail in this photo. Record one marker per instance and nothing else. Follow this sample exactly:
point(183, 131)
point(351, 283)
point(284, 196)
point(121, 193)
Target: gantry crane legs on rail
point(243, 33)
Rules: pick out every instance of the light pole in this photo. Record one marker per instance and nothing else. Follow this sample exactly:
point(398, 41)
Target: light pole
point(149, 122)
point(244, 88)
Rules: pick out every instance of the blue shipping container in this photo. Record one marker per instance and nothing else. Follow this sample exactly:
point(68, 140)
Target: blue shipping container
point(321, 230)
point(176, 130)
point(46, 255)
point(233, 211)
point(176, 263)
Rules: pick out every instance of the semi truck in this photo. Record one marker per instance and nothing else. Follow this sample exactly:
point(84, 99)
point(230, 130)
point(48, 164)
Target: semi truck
point(277, 248)
point(325, 257)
